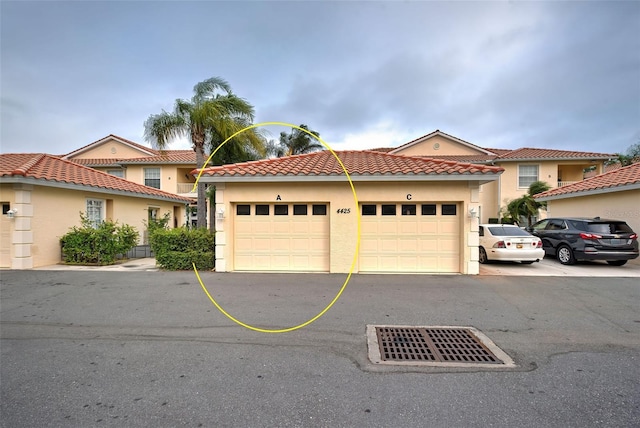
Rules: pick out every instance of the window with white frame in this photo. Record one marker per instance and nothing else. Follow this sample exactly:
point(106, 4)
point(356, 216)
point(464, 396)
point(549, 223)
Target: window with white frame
point(152, 177)
point(527, 174)
point(95, 211)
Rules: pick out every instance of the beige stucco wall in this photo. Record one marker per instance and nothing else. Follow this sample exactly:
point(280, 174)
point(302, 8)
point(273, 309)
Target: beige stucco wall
point(438, 146)
point(48, 213)
point(344, 227)
point(110, 149)
point(614, 205)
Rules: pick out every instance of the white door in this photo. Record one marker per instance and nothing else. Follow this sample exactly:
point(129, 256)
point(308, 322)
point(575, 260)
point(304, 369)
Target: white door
point(281, 237)
point(417, 237)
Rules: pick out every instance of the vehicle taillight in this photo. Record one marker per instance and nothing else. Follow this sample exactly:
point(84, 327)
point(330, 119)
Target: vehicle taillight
point(499, 244)
point(539, 244)
point(634, 236)
point(585, 235)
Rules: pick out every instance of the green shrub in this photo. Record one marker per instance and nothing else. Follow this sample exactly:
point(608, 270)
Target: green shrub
point(97, 245)
point(177, 249)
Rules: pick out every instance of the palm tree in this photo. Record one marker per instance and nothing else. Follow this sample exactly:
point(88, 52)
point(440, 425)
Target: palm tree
point(213, 114)
point(296, 143)
point(527, 206)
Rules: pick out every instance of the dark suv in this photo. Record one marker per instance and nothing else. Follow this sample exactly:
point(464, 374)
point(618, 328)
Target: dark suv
point(576, 238)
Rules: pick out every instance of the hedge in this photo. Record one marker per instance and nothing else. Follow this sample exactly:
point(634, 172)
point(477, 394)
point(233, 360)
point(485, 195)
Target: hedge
point(177, 249)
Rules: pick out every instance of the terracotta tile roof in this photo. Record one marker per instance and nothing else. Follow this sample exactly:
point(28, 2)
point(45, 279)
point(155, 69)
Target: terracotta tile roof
point(48, 168)
point(612, 180)
point(166, 157)
point(527, 153)
point(358, 164)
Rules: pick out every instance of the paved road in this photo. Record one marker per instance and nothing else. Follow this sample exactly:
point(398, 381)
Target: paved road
point(142, 348)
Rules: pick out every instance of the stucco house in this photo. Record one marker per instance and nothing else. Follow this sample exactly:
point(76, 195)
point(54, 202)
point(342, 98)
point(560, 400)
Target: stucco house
point(42, 197)
point(167, 170)
point(614, 194)
point(299, 213)
point(521, 166)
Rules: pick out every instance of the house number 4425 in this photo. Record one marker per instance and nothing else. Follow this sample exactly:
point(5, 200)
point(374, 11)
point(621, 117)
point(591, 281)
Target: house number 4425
point(344, 210)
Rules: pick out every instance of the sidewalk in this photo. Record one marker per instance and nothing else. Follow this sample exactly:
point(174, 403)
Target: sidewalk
point(145, 264)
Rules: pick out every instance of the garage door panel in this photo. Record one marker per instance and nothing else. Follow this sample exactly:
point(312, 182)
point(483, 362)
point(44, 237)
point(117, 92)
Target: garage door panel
point(406, 243)
point(281, 243)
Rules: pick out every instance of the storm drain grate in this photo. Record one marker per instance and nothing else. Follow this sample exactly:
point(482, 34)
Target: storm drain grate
point(438, 345)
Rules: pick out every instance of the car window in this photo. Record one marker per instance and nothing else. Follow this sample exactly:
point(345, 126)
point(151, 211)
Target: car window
point(507, 231)
point(580, 225)
point(556, 225)
point(612, 227)
point(541, 225)
point(481, 231)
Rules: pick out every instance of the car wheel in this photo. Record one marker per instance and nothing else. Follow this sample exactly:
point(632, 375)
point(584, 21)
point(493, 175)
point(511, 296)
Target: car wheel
point(617, 262)
point(565, 255)
point(482, 256)
point(528, 262)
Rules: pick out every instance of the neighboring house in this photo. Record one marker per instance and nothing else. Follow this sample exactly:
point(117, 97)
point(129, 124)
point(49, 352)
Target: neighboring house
point(42, 197)
point(614, 194)
point(167, 170)
point(299, 213)
point(521, 166)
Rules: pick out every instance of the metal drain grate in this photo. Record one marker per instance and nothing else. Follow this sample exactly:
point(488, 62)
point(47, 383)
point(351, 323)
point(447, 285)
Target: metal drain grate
point(438, 345)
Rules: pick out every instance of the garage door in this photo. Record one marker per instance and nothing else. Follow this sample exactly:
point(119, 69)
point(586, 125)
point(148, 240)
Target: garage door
point(281, 237)
point(422, 238)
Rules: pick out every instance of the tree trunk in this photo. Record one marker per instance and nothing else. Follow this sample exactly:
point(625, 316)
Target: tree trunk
point(202, 197)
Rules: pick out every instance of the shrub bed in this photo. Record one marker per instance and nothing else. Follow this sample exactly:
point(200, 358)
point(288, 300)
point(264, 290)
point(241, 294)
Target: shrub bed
point(177, 249)
point(97, 245)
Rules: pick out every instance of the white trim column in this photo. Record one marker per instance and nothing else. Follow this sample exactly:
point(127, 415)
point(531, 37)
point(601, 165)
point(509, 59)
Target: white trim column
point(22, 238)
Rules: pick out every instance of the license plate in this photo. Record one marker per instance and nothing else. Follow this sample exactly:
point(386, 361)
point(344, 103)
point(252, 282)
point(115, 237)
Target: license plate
point(617, 241)
point(519, 246)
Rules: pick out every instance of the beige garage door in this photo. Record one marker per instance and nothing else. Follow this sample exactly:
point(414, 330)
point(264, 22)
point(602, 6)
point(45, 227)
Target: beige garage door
point(281, 237)
point(422, 238)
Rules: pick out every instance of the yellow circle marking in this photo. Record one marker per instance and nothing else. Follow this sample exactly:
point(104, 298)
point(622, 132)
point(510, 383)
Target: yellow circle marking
point(355, 255)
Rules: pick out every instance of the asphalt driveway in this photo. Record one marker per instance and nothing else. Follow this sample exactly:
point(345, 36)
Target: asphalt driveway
point(147, 348)
point(549, 266)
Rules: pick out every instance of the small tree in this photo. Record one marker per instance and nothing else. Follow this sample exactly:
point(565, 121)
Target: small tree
point(632, 155)
point(527, 206)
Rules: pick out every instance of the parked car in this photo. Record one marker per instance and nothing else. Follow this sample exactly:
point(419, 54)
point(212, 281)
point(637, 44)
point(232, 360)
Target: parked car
point(509, 243)
point(576, 238)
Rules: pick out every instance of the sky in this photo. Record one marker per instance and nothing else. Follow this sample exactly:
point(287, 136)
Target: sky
point(563, 75)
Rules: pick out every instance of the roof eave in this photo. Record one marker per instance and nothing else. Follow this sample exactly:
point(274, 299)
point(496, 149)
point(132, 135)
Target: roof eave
point(482, 178)
point(95, 189)
point(498, 160)
point(575, 194)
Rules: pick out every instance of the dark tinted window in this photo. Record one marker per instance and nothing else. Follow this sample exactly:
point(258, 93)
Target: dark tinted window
point(429, 209)
point(319, 210)
point(408, 210)
point(388, 210)
point(262, 209)
point(449, 209)
point(613, 227)
point(243, 210)
point(556, 224)
point(507, 231)
point(481, 231)
point(299, 210)
point(368, 210)
point(281, 210)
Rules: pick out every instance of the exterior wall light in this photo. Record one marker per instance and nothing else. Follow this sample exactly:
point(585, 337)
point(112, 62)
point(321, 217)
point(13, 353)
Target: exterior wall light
point(220, 213)
point(473, 213)
point(12, 213)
